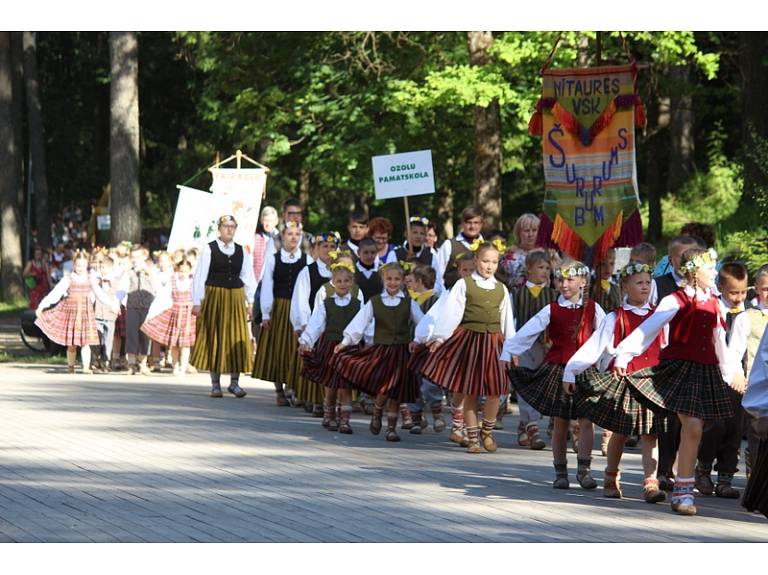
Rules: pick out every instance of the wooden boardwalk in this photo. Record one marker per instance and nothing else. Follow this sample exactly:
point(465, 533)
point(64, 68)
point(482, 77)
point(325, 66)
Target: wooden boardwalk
point(117, 458)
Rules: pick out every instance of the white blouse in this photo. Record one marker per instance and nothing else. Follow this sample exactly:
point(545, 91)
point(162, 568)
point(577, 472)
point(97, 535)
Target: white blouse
point(453, 311)
point(204, 265)
point(316, 325)
point(300, 310)
point(363, 325)
point(268, 278)
point(526, 336)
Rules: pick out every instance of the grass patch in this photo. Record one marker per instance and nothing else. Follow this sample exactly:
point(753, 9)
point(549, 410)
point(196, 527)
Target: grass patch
point(13, 308)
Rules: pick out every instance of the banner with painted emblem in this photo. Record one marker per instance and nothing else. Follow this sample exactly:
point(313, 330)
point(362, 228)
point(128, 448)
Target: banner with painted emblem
point(238, 192)
point(587, 119)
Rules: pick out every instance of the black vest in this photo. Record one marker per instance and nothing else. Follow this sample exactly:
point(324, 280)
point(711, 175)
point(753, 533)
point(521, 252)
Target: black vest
point(316, 281)
point(285, 276)
point(369, 287)
point(224, 270)
point(425, 257)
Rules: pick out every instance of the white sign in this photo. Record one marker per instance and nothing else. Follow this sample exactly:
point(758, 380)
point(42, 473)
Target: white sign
point(194, 223)
point(239, 193)
point(103, 222)
point(407, 174)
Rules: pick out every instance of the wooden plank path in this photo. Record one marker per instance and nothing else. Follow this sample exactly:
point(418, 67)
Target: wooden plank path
point(118, 458)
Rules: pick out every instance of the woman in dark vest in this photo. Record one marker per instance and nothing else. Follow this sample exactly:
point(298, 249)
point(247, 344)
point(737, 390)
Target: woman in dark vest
point(222, 294)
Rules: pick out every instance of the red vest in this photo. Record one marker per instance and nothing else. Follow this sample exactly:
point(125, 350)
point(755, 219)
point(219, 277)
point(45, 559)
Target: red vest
point(691, 329)
point(564, 324)
point(631, 321)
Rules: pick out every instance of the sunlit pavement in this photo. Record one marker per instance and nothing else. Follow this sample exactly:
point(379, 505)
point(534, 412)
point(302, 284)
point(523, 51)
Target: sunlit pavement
point(118, 458)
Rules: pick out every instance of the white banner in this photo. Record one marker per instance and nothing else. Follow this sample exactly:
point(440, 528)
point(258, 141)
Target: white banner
point(239, 193)
point(194, 223)
point(407, 174)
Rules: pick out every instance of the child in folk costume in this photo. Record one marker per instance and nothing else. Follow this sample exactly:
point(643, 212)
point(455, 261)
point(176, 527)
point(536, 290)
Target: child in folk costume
point(569, 322)
point(691, 377)
point(275, 359)
point(72, 322)
point(308, 283)
point(326, 329)
point(381, 369)
point(423, 293)
point(105, 315)
point(608, 400)
point(467, 342)
point(162, 272)
point(136, 291)
point(527, 301)
point(755, 403)
point(170, 321)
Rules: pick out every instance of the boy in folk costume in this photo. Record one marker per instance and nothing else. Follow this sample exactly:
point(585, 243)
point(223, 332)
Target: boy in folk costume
point(136, 291)
point(471, 225)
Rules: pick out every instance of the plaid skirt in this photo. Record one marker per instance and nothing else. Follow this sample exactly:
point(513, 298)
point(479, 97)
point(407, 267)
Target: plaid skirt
point(380, 369)
point(683, 387)
point(174, 327)
point(468, 362)
point(756, 494)
point(320, 366)
point(71, 322)
point(120, 323)
point(223, 341)
point(612, 404)
point(543, 389)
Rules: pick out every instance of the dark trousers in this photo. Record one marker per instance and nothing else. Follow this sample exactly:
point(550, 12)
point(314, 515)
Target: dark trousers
point(721, 438)
point(669, 441)
point(136, 341)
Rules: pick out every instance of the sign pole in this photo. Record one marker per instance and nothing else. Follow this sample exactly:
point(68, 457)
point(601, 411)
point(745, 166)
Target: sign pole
point(408, 225)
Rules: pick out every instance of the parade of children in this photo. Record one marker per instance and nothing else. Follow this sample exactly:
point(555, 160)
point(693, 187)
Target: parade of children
point(460, 331)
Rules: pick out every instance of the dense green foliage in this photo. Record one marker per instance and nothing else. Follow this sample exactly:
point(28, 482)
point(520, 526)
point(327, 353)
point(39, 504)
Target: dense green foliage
point(315, 107)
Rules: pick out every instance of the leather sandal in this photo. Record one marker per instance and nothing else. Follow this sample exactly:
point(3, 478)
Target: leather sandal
point(392, 434)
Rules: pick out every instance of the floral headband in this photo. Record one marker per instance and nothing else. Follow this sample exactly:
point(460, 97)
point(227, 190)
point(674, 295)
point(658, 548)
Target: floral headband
point(332, 237)
point(334, 255)
point(638, 268)
point(694, 264)
point(418, 219)
point(573, 270)
point(287, 225)
point(497, 243)
point(226, 218)
point(343, 265)
point(407, 266)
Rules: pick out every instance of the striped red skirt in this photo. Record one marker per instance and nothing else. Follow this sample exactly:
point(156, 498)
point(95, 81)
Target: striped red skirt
point(380, 369)
point(175, 327)
point(468, 362)
point(320, 366)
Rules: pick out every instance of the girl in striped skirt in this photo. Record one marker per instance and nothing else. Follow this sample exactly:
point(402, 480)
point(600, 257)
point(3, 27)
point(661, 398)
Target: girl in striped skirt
point(381, 369)
point(569, 322)
point(72, 322)
point(170, 321)
point(608, 400)
point(275, 359)
point(690, 379)
point(467, 341)
point(325, 328)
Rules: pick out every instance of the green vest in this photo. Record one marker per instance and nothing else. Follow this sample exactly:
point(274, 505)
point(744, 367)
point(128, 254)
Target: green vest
point(391, 322)
point(482, 312)
point(338, 317)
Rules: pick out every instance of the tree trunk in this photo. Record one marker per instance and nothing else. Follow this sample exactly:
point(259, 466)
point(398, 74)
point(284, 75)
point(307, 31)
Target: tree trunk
point(682, 148)
point(445, 213)
point(11, 260)
point(17, 112)
point(304, 193)
point(36, 142)
point(754, 46)
point(653, 147)
point(124, 137)
point(487, 149)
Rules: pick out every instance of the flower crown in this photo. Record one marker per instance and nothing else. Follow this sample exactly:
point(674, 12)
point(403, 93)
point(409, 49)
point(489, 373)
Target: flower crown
point(638, 268)
point(332, 237)
point(343, 265)
point(407, 266)
point(572, 270)
point(691, 266)
point(226, 218)
point(418, 219)
point(497, 243)
point(334, 255)
point(287, 225)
